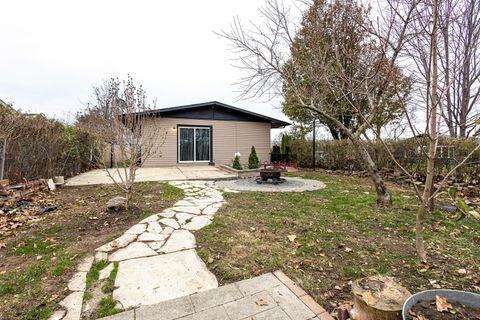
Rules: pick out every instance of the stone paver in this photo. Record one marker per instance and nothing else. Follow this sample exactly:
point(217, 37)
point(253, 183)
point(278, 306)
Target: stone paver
point(78, 282)
point(154, 279)
point(73, 305)
point(179, 240)
point(211, 298)
point(198, 223)
point(168, 310)
point(170, 222)
point(133, 250)
point(249, 305)
point(277, 302)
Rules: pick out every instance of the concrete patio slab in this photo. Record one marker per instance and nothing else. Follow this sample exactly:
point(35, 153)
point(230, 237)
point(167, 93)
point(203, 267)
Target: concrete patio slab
point(100, 176)
point(280, 299)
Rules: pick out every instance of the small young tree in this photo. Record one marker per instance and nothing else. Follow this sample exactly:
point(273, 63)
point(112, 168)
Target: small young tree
point(119, 117)
point(236, 162)
point(253, 162)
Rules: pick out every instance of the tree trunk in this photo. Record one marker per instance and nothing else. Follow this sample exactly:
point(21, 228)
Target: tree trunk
point(384, 198)
point(378, 297)
point(432, 143)
point(4, 154)
point(419, 241)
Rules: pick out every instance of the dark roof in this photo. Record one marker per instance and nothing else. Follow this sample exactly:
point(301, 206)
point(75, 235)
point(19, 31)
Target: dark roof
point(215, 110)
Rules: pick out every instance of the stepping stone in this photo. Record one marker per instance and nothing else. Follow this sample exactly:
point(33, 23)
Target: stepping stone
point(57, 315)
point(121, 242)
point(153, 217)
point(73, 304)
point(191, 210)
point(167, 213)
point(105, 272)
point(167, 231)
point(78, 282)
point(99, 256)
point(137, 229)
point(154, 227)
point(182, 217)
point(212, 209)
point(85, 264)
point(198, 223)
point(179, 240)
point(156, 244)
point(154, 279)
point(183, 203)
point(170, 222)
point(134, 250)
point(149, 236)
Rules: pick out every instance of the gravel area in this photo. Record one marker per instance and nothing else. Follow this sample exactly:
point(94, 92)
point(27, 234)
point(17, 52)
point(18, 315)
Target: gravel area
point(290, 185)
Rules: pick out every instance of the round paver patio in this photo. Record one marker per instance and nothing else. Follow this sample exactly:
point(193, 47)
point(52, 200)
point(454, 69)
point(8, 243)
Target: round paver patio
point(290, 185)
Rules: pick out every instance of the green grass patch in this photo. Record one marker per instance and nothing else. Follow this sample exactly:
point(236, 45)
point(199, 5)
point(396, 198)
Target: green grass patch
point(110, 281)
point(107, 307)
point(171, 192)
point(87, 295)
point(38, 313)
point(94, 272)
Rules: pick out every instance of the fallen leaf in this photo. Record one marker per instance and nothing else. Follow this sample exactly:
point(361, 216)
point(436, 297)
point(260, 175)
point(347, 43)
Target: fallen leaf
point(292, 237)
point(442, 304)
point(210, 259)
point(261, 302)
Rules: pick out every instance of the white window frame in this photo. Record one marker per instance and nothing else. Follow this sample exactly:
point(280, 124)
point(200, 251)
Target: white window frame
point(195, 144)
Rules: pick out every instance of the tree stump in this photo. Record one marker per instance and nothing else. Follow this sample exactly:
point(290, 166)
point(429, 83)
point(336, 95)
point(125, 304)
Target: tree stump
point(378, 298)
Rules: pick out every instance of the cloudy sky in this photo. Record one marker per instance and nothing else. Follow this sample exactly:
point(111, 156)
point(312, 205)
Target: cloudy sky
point(54, 51)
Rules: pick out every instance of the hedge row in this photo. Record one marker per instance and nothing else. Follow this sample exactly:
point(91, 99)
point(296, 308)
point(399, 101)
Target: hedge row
point(341, 155)
point(43, 148)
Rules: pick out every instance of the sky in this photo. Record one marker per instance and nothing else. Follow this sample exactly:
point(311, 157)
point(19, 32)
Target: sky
point(54, 51)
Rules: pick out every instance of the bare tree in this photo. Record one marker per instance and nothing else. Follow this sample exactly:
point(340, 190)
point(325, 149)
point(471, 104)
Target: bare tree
point(418, 23)
point(459, 40)
point(334, 69)
point(120, 118)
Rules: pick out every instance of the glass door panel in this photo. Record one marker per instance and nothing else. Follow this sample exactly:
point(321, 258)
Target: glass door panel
point(186, 144)
point(202, 144)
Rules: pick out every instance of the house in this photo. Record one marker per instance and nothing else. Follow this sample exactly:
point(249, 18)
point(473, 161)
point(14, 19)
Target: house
point(209, 133)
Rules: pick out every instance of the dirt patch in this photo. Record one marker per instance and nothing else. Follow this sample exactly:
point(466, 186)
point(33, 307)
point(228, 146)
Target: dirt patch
point(39, 259)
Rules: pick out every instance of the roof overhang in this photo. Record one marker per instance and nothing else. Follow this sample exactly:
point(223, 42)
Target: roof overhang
point(215, 110)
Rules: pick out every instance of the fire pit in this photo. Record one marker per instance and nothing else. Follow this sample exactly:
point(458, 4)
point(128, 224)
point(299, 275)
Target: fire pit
point(270, 175)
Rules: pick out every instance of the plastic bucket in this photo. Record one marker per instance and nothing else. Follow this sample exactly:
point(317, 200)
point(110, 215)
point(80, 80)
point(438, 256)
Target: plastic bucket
point(468, 299)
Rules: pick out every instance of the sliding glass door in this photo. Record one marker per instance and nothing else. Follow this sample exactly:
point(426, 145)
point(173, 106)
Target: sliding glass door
point(194, 144)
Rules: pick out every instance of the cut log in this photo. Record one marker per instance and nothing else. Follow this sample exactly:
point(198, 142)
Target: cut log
point(378, 298)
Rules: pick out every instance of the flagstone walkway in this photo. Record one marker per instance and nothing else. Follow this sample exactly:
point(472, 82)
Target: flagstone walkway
point(157, 257)
point(160, 275)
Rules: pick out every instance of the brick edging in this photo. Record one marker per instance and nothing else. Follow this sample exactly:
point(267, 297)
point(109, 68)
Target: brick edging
point(317, 309)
